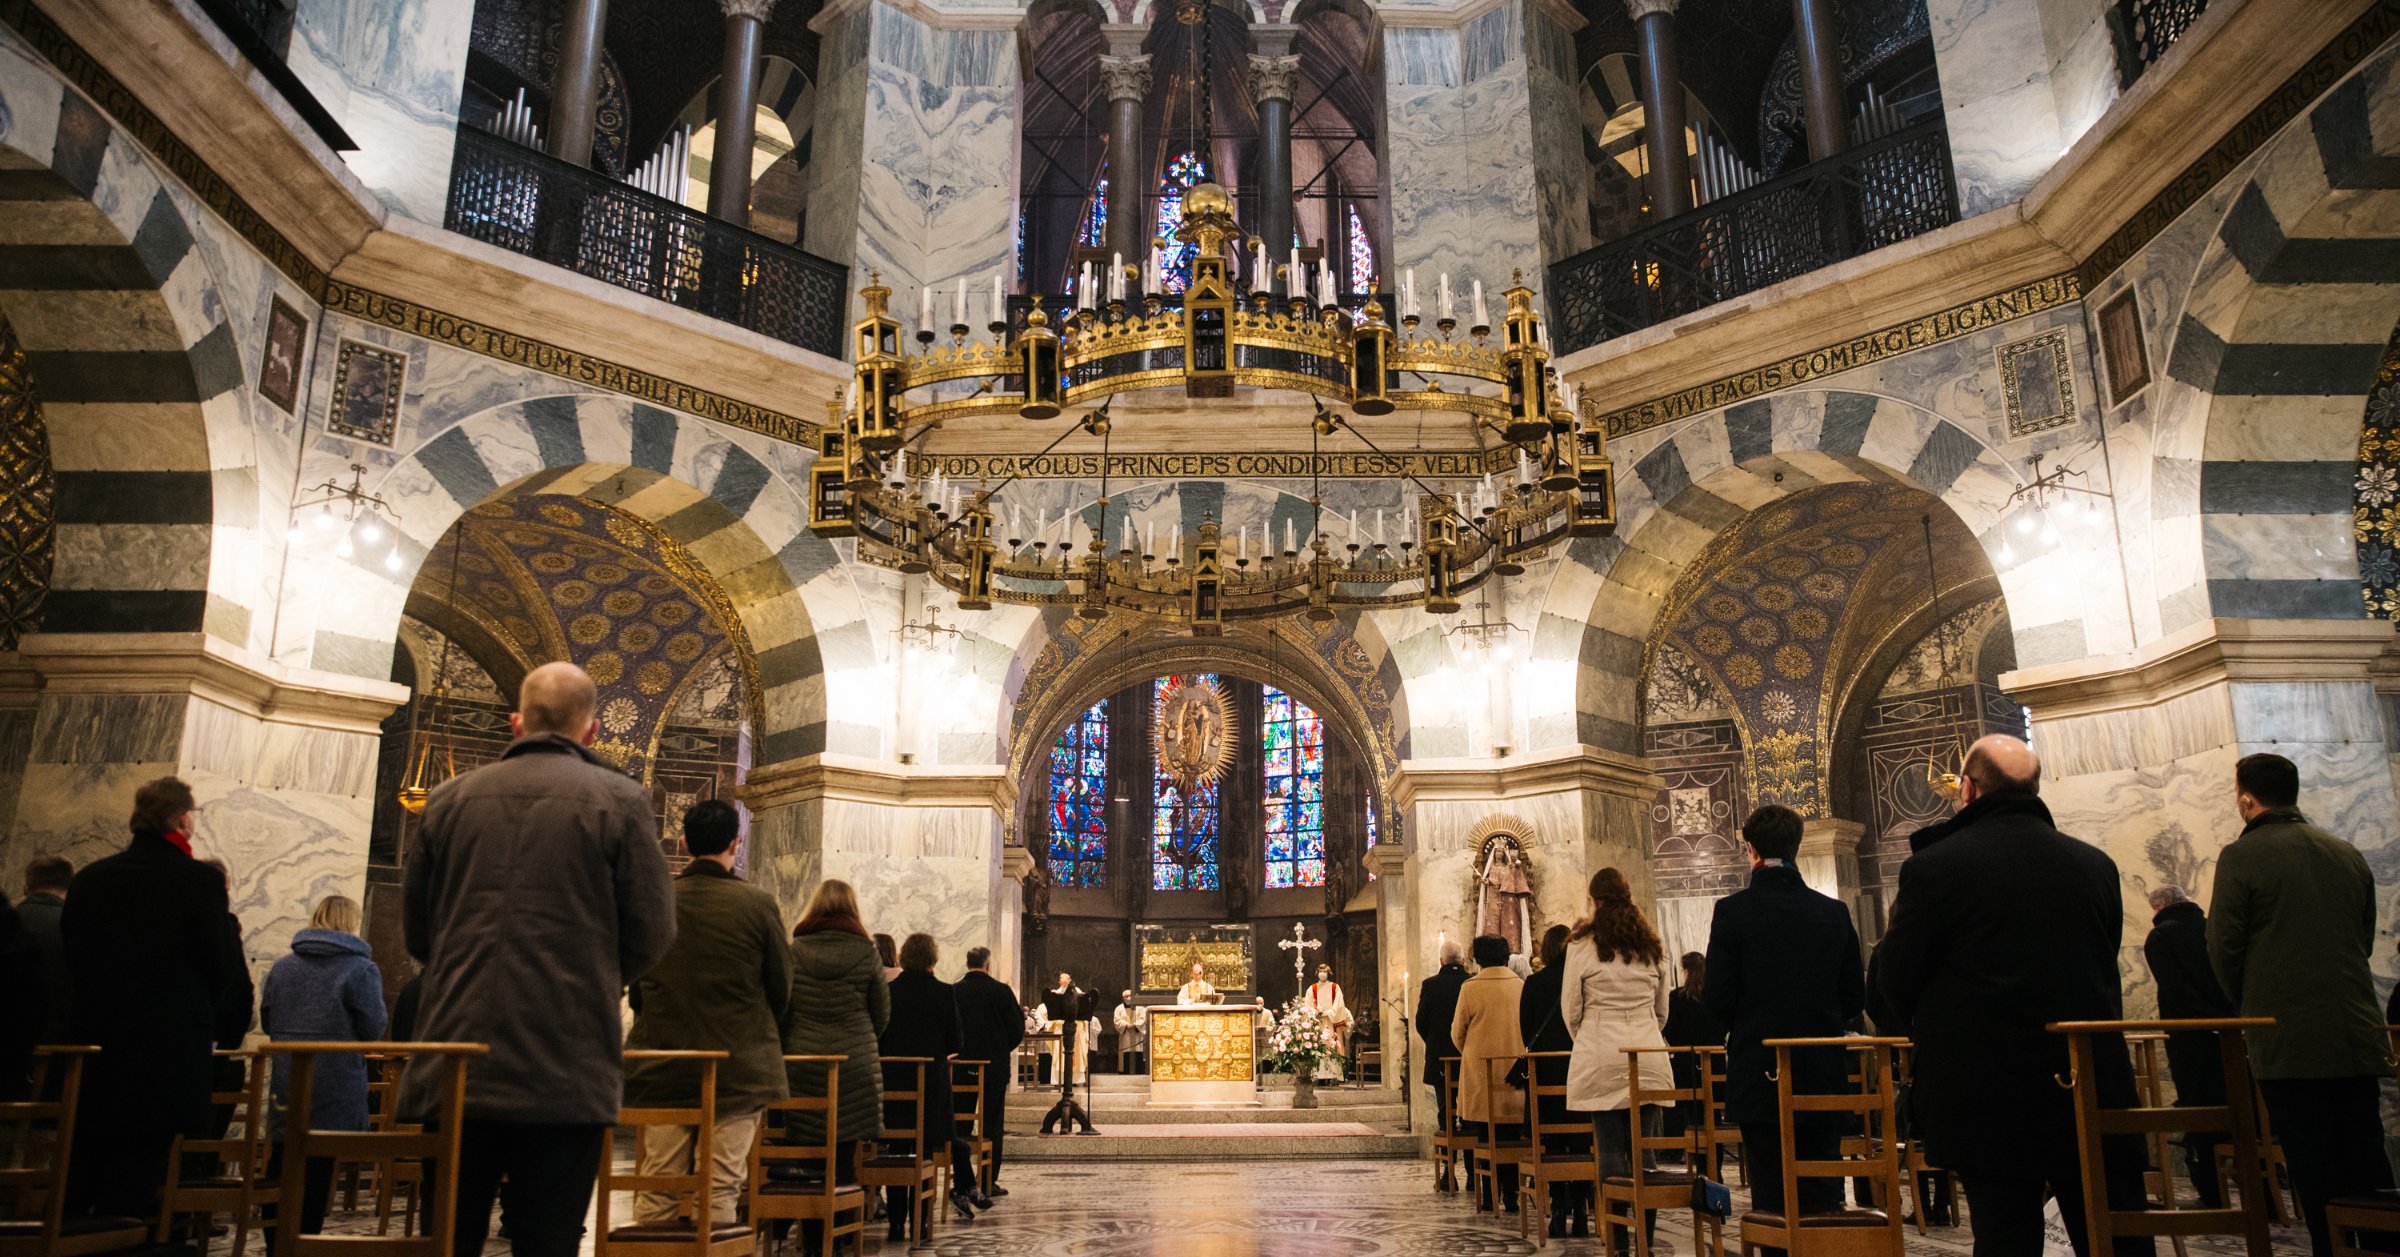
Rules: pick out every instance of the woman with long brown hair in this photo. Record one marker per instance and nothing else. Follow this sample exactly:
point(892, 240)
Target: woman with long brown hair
point(839, 1005)
point(1614, 996)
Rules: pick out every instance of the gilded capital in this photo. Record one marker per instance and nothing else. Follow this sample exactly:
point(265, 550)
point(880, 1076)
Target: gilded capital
point(1125, 78)
point(1272, 78)
point(1643, 8)
point(755, 10)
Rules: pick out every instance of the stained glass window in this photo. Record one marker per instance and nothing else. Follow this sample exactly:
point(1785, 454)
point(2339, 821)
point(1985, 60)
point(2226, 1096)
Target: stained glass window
point(1175, 258)
point(1294, 738)
point(1193, 814)
point(1079, 801)
point(1373, 835)
point(1362, 256)
point(1095, 216)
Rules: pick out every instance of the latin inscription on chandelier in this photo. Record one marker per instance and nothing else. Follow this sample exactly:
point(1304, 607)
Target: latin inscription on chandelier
point(1192, 466)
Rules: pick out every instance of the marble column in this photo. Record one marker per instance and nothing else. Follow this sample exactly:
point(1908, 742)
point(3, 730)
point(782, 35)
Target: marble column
point(1829, 858)
point(1272, 78)
point(1126, 79)
point(920, 844)
point(737, 111)
point(575, 87)
point(1402, 961)
point(2138, 751)
point(282, 761)
point(1662, 108)
point(1822, 91)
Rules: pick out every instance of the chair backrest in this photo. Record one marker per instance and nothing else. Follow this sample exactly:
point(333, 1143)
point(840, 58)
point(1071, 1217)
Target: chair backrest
point(913, 1073)
point(1450, 1067)
point(2241, 1115)
point(1496, 1085)
point(966, 1096)
point(436, 1142)
point(57, 1090)
point(767, 1150)
point(1867, 1094)
point(1697, 1141)
point(691, 1187)
point(1536, 1091)
point(245, 1146)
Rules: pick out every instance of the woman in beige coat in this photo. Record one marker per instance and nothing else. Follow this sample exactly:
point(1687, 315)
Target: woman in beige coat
point(1614, 996)
point(1485, 1029)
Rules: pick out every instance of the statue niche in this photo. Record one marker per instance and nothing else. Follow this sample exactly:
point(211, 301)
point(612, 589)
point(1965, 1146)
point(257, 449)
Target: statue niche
point(1504, 892)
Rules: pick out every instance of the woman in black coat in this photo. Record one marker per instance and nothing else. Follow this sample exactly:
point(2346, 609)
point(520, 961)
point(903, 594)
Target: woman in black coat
point(1539, 1024)
point(925, 1023)
point(1690, 1023)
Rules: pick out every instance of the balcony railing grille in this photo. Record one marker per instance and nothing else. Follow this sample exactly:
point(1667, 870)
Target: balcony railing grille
point(531, 203)
point(2145, 29)
point(1879, 193)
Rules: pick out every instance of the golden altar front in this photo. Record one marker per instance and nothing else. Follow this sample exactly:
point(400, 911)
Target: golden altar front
point(1203, 1055)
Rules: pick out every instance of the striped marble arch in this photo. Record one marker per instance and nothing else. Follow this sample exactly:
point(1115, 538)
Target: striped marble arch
point(740, 520)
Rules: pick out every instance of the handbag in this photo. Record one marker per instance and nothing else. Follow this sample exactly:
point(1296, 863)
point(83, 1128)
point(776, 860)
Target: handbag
point(1517, 1076)
point(1712, 1197)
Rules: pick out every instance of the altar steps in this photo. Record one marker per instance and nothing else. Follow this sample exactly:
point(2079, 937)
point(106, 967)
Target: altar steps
point(1350, 1123)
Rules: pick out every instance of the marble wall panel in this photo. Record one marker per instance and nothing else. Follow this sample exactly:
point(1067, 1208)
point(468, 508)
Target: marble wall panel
point(1460, 146)
point(2019, 83)
point(390, 71)
point(930, 869)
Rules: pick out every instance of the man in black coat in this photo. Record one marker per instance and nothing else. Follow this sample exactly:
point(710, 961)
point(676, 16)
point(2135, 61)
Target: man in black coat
point(993, 1026)
point(147, 925)
point(2002, 926)
point(1437, 1003)
point(925, 1023)
point(46, 881)
point(1783, 963)
point(2177, 950)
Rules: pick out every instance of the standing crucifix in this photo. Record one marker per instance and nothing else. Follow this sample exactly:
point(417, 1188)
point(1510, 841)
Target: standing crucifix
point(1299, 944)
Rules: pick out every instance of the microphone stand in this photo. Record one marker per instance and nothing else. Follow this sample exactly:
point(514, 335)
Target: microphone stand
point(1064, 1115)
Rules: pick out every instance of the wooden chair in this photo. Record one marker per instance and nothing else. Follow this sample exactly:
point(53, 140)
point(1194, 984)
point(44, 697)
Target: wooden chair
point(2239, 1115)
point(2275, 1172)
point(239, 1184)
point(1549, 1167)
point(383, 1074)
point(694, 1230)
point(1643, 1189)
point(1840, 1231)
point(1491, 1150)
point(2349, 1218)
point(404, 1175)
point(1728, 1135)
point(435, 1147)
point(799, 1182)
point(41, 1190)
point(1448, 1143)
point(908, 1158)
point(966, 1104)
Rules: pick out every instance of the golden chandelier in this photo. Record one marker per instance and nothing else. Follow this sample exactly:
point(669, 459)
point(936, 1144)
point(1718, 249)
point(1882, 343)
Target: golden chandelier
point(1450, 541)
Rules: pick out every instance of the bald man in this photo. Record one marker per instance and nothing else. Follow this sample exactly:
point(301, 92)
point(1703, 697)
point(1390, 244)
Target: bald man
point(534, 893)
point(2002, 926)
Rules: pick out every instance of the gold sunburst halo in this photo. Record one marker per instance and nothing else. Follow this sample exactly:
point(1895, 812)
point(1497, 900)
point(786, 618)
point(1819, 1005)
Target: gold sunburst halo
point(1193, 732)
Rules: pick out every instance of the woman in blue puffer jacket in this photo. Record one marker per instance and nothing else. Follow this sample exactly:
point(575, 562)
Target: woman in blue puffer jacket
point(328, 989)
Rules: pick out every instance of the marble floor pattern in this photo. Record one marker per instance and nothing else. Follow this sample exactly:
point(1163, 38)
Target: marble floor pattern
point(1272, 1209)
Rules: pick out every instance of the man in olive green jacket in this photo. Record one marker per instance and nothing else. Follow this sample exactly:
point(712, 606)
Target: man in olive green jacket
point(2290, 933)
point(723, 987)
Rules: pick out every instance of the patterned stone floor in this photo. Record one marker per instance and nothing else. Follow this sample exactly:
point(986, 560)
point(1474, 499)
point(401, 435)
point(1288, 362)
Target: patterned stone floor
point(1274, 1209)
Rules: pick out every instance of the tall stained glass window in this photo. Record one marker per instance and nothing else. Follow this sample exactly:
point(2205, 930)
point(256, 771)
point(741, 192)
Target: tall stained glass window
point(1095, 216)
point(1294, 738)
point(1079, 801)
point(1175, 259)
point(1362, 255)
point(1174, 811)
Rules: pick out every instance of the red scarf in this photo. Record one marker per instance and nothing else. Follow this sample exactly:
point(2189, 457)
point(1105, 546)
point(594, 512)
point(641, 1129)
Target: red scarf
point(182, 841)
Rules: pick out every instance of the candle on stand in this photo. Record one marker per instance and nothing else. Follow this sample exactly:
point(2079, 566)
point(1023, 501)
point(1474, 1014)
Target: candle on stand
point(1175, 540)
point(1127, 543)
point(1116, 277)
point(1354, 525)
point(1242, 542)
point(1524, 467)
point(1327, 294)
point(925, 308)
point(999, 300)
point(1041, 525)
point(1083, 286)
point(1408, 293)
point(1379, 525)
point(958, 315)
point(1483, 317)
point(1150, 538)
point(1449, 314)
point(1296, 279)
point(1258, 266)
point(1290, 545)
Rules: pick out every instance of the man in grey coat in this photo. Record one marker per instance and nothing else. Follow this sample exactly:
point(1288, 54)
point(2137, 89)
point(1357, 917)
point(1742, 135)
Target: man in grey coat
point(2291, 934)
point(535, 893)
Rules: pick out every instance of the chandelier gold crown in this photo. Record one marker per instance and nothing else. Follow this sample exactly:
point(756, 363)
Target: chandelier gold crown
point(1209, 340)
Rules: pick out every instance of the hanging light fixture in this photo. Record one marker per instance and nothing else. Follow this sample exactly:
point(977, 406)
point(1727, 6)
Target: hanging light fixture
point(1546, 474)
point(357, 515)
point(434, 727)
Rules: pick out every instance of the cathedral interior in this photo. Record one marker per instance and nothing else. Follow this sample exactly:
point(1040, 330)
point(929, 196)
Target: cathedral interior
point(1088, 472)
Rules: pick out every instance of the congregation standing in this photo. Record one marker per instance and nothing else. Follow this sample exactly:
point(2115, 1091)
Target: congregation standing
point(2003, 926)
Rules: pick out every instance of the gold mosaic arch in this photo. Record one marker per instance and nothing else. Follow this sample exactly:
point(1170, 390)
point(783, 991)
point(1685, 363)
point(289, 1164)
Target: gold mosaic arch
point(682, 566)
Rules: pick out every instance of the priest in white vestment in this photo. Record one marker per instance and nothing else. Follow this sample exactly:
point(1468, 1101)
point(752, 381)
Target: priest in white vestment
point(1325, 996)
point(1133, 1033)
point(1198, 990)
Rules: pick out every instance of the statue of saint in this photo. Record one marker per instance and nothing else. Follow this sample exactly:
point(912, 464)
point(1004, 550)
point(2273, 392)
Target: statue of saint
point(1504, 895)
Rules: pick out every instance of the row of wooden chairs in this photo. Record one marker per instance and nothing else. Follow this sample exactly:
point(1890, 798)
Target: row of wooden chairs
point(787, 1181)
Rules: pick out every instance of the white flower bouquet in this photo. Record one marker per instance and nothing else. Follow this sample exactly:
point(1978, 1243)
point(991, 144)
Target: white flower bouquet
point(1302, 1039)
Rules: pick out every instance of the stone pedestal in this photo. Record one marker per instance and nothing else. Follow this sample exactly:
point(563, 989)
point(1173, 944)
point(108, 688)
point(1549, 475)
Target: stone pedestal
point(281, 759)
point(921, 845)
point(1400, 968)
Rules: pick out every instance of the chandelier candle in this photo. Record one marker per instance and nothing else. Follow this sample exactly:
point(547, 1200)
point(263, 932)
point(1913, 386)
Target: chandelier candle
point(959, 311)
point(999, 301)
point(1296, 279)
point(1483, 315)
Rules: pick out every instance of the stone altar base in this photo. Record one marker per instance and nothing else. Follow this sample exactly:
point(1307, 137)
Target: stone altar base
point(1354, 1123)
